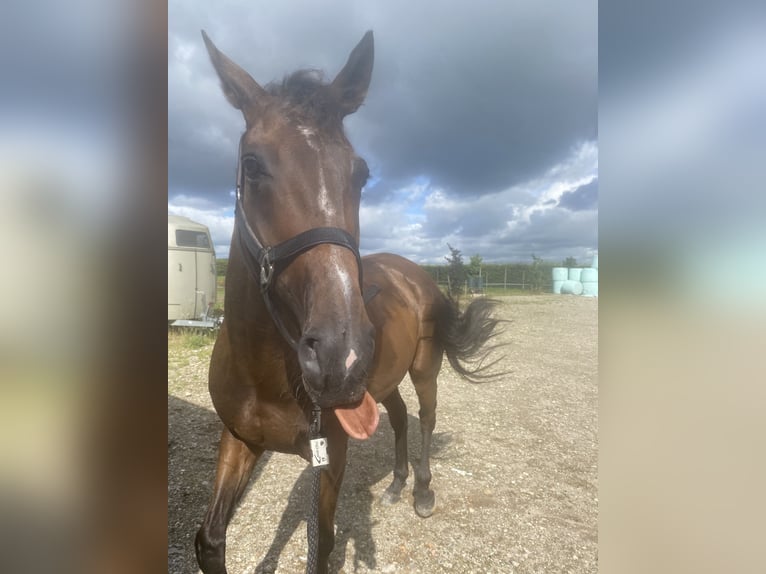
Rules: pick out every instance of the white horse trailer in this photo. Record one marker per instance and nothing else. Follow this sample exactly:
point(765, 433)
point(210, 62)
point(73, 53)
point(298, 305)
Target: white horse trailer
point(191, 273)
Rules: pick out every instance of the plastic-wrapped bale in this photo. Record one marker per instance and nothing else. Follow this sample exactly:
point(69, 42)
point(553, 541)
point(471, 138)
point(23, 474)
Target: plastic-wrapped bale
point(571, 288)
point(589, 277)
point(560, 274)
point(574, 273)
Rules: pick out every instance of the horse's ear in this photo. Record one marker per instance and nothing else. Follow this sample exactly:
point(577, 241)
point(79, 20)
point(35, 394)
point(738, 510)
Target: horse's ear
point(351, 83)
point(239, 87)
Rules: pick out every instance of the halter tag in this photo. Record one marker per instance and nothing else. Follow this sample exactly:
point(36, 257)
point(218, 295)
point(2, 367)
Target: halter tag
point(319, 456)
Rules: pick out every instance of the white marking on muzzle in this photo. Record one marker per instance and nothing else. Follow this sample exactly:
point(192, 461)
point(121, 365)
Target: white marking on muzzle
point(351, 359)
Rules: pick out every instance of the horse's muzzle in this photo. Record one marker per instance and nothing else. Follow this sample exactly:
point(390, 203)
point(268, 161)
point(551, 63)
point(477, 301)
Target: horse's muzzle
point(335, 365)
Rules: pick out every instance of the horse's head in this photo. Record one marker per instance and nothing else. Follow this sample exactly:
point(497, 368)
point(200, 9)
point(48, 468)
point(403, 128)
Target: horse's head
point(298, 172)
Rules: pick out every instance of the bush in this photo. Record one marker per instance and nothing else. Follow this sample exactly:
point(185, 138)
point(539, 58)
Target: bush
point(220, 267)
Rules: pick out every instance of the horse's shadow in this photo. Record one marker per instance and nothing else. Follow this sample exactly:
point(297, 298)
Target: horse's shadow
point(368, 463)
point(193, 450)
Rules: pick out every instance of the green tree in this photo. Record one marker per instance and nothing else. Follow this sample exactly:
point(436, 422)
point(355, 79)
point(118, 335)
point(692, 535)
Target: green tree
point(474, 265)
point(456, 272)
point(474, 274)
point(569, 262)
point(536, 274)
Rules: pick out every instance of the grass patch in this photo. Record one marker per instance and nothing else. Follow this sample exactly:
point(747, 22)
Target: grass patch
point(190, 339)
point(220, 281)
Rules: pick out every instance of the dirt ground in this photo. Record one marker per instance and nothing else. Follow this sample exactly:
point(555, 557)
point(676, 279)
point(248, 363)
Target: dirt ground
point(514, 466)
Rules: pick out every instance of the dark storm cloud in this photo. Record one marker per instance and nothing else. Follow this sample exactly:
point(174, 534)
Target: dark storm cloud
point(584, 197)
point(486, 98)
point(476, 97)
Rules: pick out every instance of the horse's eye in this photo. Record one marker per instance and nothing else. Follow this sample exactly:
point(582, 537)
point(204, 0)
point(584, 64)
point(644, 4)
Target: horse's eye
point(253, 167)
point(361, 173)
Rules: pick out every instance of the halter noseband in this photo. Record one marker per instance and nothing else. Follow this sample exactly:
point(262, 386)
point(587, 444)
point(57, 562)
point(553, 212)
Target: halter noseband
point(265, 263)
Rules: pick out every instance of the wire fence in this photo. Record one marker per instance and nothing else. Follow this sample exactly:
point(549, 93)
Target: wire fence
point(499, 278)
point(501, 288)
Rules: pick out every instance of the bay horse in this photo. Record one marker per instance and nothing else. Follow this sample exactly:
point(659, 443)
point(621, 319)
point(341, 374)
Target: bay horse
point(308, 323)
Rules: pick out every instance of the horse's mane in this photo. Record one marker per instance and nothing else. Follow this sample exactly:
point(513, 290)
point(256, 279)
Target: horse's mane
point(306, 94)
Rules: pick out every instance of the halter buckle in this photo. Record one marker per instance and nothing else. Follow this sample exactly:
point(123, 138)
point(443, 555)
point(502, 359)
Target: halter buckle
point(267, 270)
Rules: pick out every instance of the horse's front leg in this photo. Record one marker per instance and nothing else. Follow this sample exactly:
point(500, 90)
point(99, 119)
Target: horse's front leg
point(331, 480)
point(235, 466)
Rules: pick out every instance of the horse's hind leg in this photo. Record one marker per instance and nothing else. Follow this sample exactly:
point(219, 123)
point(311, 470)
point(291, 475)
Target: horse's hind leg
point(397, 415)
point(235, 465)
point(423, 373)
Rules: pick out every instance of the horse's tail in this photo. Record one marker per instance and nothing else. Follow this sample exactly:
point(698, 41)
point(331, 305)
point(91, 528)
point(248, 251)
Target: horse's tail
point(465, 335)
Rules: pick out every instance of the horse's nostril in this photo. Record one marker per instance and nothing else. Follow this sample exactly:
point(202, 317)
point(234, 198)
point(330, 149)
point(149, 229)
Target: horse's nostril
point(311, 344)
point(307, 355)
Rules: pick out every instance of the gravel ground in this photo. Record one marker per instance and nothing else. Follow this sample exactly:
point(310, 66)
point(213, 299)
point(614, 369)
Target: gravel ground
point(514, 466)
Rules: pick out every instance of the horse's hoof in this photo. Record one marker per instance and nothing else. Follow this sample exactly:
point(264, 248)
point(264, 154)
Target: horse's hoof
point(393, 493)
point(388, 498)
point(424, 503)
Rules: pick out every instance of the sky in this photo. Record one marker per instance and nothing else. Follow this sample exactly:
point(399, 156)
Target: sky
point(480, 124)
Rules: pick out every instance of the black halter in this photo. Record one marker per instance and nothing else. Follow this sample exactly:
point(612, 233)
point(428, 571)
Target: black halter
point(265, 263)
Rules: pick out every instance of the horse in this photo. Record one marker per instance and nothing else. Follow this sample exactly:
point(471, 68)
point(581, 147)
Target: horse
point(309, 325)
